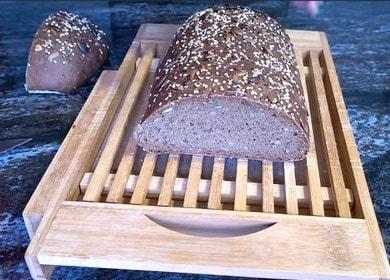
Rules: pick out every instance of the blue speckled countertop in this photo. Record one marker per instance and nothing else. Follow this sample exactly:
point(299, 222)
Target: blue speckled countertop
point(359, 35)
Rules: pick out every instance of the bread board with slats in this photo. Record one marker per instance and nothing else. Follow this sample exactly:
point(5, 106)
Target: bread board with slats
point(104, 202)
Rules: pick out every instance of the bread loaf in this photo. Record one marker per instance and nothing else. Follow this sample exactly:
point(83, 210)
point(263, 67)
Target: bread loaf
point(66, 51)
point(228, 86)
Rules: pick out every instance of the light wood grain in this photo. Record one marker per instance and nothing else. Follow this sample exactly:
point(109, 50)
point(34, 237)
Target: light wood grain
point(267, 189)
point(165, 238)
point(241, 185)
point(126, 153)
point(85, 145)
point(215, 194)
point(290, 188)
point(168, 184)
point(312, 174)
point(354, 167)
point(339, 248)
point(191, 196)
point(144, 178)
point(98, 98)
point(103, 167)
point(117, 189)
point(226, 191)
point(331, 155)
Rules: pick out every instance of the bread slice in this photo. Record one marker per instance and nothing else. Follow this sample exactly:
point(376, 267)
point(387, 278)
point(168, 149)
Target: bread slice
point(228, 86)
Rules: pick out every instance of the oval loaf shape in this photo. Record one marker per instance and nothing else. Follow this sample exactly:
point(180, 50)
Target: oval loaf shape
point(228, 86)
point(66, 52)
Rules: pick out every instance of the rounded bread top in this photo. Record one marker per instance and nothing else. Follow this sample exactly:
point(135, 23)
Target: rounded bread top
point(231, 51)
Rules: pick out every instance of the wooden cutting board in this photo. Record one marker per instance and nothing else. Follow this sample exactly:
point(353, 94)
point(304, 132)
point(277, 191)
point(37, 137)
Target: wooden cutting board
point(103, 202)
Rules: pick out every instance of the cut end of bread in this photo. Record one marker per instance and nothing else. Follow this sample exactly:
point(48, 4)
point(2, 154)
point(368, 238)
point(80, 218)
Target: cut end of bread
point(223, 126)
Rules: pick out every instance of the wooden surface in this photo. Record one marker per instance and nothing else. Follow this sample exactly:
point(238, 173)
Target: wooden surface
point(331, 154)
point(267, 187)
point(118, 130)
point(191, 193)
point(240, 194)
point(168, 239)
point(93, 123)
point(85, 151)
point(291, 189)
point(215, 194)
point(312, 174)
point(168, 183)
point(325, 224)
point(143, 182)
point(213, 191)
point(351, 160)
point(97, 110)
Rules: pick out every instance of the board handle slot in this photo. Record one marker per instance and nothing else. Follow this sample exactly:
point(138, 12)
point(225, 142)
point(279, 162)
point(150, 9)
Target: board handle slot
point(210, 227)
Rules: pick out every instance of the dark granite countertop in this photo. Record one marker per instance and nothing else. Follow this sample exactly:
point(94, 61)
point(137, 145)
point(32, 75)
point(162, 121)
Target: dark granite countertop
point(359, 35)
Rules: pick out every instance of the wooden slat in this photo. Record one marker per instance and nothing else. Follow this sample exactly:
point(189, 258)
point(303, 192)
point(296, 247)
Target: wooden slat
point(291, 193)
point(103, 167)
point(214, 201)
point(241, 185)
point(191, 196)
point(144, 178)
point(127, 150)
point(280, 246)
point(117, 189)
point(354, 168)
point(165, 196)
point(331, 155)
point(312, 173)
point(267, 187)
point(227, 191)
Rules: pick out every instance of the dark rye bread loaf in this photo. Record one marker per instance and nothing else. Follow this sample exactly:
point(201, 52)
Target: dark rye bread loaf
point(228, 86)
point(66, 51)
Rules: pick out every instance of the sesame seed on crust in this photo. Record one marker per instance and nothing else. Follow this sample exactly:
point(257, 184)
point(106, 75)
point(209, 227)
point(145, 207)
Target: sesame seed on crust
point(222, 50)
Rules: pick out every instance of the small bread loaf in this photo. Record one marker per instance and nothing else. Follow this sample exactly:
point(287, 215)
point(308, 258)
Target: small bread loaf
point(66, 51)
point(228, 86)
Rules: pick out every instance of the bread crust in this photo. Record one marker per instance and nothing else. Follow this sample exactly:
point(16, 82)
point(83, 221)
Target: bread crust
point(66, 51)
point(231, 52)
